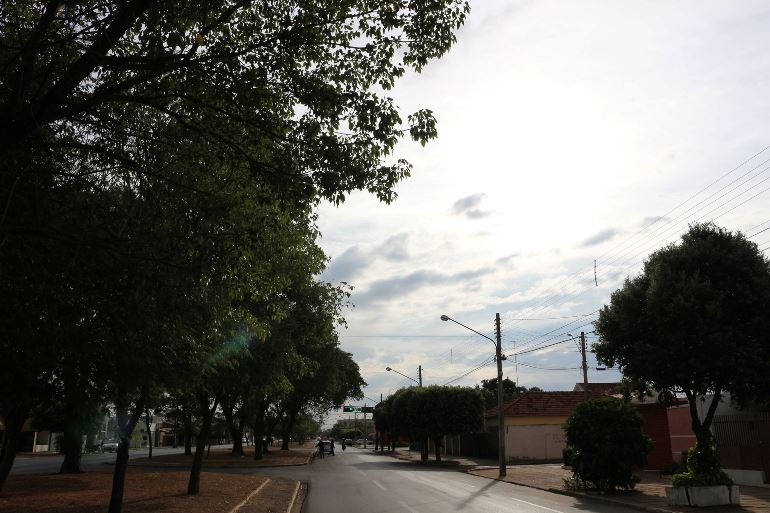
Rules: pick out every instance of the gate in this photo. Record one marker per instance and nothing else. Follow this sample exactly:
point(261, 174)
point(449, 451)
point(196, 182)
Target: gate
point(744, 441)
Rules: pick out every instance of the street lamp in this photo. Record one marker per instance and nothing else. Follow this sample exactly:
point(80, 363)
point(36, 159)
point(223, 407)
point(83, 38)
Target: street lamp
point(499, 357)
point(419, 374)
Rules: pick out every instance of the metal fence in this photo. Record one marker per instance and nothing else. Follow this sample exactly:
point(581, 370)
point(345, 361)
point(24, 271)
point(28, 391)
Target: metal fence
point(744, 441)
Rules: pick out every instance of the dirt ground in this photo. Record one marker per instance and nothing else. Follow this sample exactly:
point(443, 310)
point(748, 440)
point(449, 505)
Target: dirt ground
point(146, 491)
point(221, 458)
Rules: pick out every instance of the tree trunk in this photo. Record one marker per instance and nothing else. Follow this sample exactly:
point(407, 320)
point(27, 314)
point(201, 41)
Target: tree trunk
point(437, 445)
point(258, 432)
point(287, 427)
point(269, 426)
point(236, 432)
point(72, 447)
point(126, 426)
point(194, 484)
point(14, 421)
point(705, 459)
point(187, 432)
point(119, 476)
point(149, 433)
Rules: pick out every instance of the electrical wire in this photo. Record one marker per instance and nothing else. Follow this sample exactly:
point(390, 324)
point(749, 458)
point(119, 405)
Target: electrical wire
point(555, 297)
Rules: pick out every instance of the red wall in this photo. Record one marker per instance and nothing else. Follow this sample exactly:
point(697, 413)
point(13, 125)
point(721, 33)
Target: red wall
point(670, 430)
point(680, 427)
point(656, 427)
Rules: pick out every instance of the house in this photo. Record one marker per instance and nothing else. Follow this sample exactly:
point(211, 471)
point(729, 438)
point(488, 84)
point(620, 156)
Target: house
point(668, 426)
point(533, 424)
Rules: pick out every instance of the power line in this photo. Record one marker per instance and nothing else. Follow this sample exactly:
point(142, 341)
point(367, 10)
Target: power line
point(486, 362)
point(760, 231)
point(543, 347)
point(548, 302)
point(549, 318)
point(549, 368)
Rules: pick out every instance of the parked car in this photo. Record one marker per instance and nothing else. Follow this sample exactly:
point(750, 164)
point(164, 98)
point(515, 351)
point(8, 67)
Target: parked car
point(110, 446)
point(348, 441)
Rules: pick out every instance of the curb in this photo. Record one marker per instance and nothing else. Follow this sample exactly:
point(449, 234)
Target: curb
point(580, 495)
point(181, 465)
point(208, 467)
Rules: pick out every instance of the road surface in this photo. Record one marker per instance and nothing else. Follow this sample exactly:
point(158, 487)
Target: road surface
point(358, 481)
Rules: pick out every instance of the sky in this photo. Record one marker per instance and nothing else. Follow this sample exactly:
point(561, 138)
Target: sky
point(568, 132)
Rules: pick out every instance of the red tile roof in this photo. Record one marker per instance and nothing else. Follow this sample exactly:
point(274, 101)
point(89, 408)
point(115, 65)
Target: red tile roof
point(539, 404)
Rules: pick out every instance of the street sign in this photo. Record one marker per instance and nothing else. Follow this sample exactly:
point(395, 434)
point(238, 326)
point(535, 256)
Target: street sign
point(351, 409)
point(367, 409)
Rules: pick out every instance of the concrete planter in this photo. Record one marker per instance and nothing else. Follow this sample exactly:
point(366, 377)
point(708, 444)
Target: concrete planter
point(702, 495)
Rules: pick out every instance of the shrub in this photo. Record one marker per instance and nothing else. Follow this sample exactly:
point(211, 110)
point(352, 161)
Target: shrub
point(567, 454)
point(713, 478)
point(608, 443)
point(701, 467)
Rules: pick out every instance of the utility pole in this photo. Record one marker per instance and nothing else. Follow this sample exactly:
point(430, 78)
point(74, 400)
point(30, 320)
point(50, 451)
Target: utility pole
point(585, 366)
point(500, 417)
point(366, 433)
point(419, 375)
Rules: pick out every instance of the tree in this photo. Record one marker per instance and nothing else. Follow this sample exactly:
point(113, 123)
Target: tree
point(161, 167)
point(607, 441)
point(488, 389)
point(287, 86)
point(436, 411)
point(695, 315)
point(305, 427)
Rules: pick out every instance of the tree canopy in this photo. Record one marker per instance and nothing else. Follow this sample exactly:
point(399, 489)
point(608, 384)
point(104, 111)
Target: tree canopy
point(694, 322)
point(431, 412)
point(160, 163)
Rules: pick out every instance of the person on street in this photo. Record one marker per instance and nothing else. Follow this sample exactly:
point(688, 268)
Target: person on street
point(343, 445)
point(331, 447)
point(320, 447)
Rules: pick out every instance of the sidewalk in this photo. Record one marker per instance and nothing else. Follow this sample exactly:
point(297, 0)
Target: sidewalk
point(649, 494)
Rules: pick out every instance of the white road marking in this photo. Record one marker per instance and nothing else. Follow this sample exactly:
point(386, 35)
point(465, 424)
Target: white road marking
point(378, 484)
point(536, 505)
point(252, 494)
point(407, 507)
point(360, 471)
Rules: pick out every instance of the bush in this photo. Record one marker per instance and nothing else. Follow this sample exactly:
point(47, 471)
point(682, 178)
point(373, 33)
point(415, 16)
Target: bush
point(701, 467)
point(567, 454)
point(607, 442)
point(713, 478)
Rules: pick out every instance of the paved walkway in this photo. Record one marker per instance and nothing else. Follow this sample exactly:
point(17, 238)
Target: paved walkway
point(649, 495)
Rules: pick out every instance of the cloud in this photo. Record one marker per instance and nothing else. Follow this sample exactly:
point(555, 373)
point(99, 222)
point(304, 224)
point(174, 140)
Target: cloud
point(394, 248)
point(390, 288)
point(602, 236)
point(469, 206)
point(649, 221)
point(347, 265)
point(354, 260)
point(505, 260)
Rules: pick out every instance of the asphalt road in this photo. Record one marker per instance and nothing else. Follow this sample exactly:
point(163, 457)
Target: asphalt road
point(358, 481)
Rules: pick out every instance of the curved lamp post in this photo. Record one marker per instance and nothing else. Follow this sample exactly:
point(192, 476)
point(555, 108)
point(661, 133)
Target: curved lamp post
point(499, 357)
point(419, 375)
